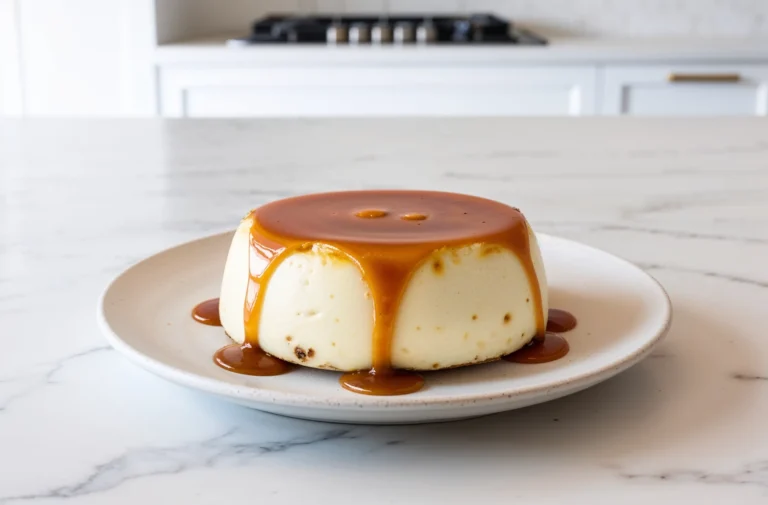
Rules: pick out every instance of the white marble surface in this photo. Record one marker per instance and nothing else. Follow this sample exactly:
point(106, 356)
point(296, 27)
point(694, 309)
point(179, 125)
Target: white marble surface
point(560, 50)
point(81, 200)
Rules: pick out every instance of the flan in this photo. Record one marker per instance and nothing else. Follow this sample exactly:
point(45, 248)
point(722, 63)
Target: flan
point(384, 281)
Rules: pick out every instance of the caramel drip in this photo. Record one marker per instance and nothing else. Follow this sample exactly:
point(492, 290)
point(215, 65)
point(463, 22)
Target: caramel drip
point(264, 258)
point(523, 251)
point(560, 321)
point(249, 360)
point(543, 350)
point(552, 346)
point(371, 229)
point(207, 312)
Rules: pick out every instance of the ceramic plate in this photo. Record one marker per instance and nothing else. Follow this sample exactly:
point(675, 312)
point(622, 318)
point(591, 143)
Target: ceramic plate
point(622, 314)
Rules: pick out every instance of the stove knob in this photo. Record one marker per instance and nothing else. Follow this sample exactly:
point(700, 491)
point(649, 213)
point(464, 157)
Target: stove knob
point(359, 33)
point(403, 33)
point(426, 33)
point(336, 34)
point(381, 33)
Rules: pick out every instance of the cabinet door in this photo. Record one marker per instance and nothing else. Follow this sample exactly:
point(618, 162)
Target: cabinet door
point(686, 90)
point(379, 91)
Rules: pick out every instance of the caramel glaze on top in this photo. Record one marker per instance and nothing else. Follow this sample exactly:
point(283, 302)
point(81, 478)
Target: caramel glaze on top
point(387, 234)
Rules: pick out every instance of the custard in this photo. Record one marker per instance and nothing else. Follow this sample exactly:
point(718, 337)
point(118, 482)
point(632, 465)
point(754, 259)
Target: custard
point(383, 281)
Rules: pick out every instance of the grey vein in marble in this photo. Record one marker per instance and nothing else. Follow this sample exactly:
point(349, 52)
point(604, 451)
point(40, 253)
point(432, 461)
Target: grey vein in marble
point(749, 377)
point(755, 474)
point(42, 379)
point(223, 450)
point(680, 234)
point(716, 275)
point(691, 201)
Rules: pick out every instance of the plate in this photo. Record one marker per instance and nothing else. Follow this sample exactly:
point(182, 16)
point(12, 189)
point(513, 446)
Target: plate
point(622, 312)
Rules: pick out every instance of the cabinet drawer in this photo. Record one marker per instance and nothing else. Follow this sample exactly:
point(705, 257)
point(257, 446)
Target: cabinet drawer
point(686, 90)
point(380, 91)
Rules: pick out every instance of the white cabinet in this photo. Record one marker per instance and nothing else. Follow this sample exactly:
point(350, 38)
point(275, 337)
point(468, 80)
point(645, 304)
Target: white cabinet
point(376, 91)
point(689, 90)
point(349, 90)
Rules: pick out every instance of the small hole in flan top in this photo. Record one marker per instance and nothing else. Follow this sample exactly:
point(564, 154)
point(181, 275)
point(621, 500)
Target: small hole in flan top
point(413, 216)
point(371, 213)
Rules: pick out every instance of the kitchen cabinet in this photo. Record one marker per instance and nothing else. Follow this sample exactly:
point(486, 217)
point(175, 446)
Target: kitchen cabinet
point(347, 87)
point(689, 90)
point(379, 91)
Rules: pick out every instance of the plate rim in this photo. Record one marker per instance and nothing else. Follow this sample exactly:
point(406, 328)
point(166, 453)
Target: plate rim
point(242, 392)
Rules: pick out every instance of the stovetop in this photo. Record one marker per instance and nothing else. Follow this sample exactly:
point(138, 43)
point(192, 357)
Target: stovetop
point(473, 29)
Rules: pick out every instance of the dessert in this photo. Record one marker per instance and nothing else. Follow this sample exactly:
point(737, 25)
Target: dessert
point(382, 284)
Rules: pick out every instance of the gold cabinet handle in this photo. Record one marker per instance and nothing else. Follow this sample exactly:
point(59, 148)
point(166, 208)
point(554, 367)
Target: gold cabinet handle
point(675, 77)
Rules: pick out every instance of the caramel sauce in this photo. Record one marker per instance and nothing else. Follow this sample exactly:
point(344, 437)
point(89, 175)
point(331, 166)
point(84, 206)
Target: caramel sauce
point(550, 348)
point(560, 321)
point(394, 382)
point(249, 360)
point(375, 230)
point(370, 228)
point(207, 312)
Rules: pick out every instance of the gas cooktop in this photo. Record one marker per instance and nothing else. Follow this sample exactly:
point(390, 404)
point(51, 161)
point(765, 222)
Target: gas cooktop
point(474, 29)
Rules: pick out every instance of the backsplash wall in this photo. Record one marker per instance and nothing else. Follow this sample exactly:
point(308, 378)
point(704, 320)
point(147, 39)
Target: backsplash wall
point(615, 18)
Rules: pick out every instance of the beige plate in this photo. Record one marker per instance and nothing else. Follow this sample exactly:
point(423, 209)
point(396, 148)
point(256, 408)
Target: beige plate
point(622, 311)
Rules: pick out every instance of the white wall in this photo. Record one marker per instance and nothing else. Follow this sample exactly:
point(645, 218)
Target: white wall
point(616, 18)
point(80, 57)
point(11, 97)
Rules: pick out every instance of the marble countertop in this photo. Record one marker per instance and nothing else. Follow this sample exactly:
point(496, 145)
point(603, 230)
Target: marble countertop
point(215, 50)
point(81, 200)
